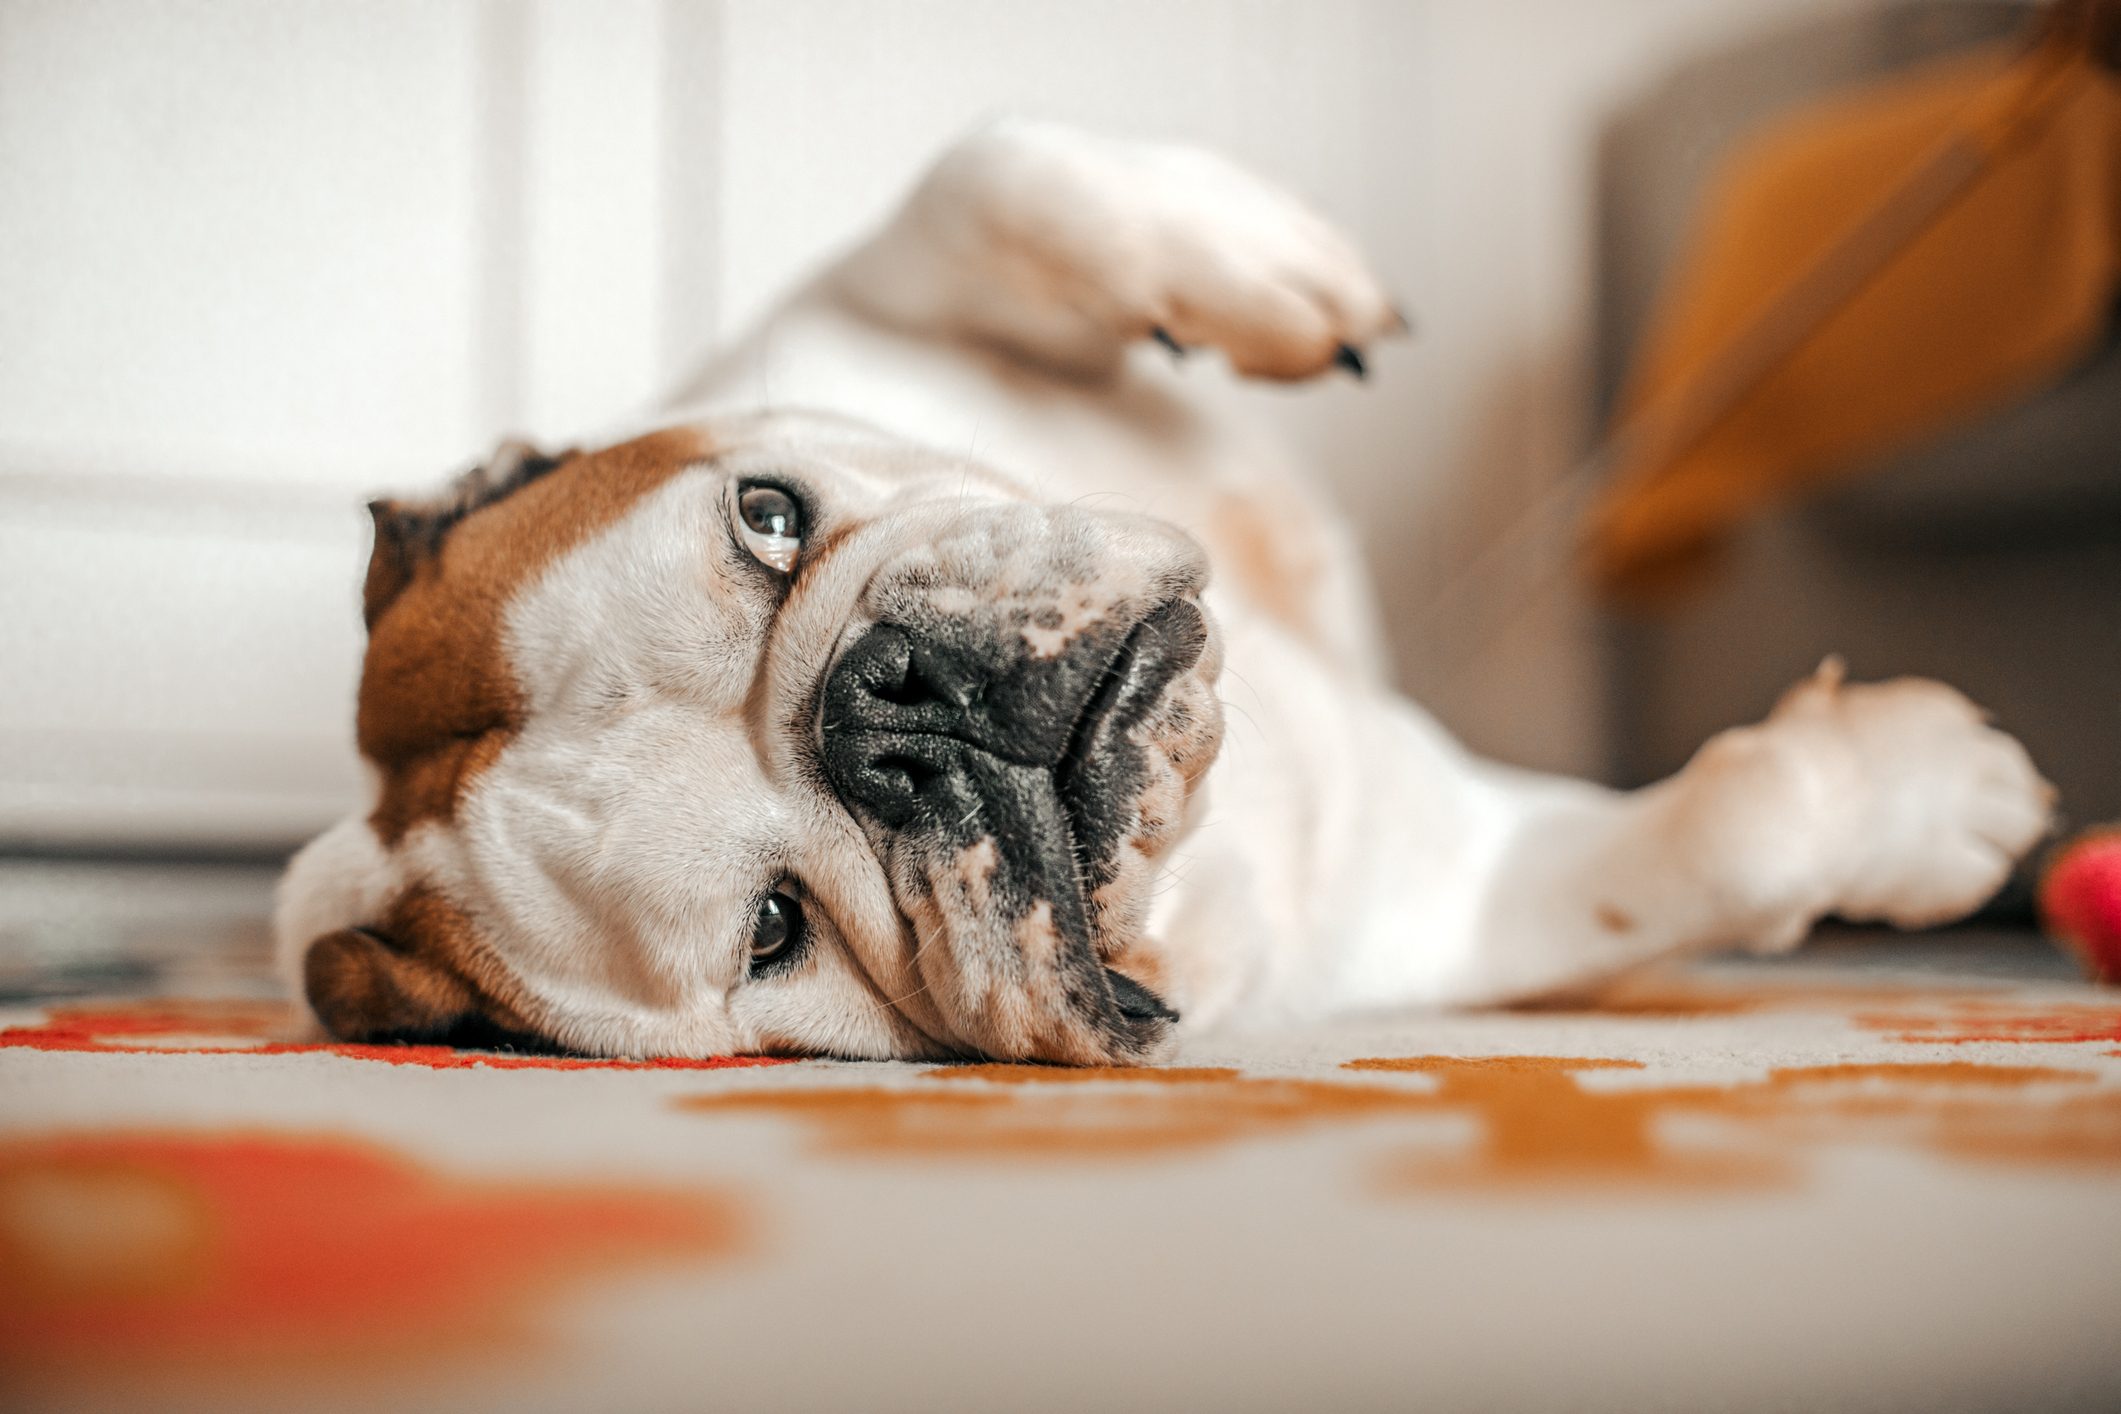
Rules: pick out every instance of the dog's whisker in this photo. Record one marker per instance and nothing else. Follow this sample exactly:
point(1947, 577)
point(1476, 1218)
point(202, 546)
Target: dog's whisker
point(919, 942)
point(893, 1003)
point(1230, 706)
point(1242, 681)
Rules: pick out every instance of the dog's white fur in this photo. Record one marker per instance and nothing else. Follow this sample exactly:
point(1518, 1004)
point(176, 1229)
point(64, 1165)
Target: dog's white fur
point(1345, 853)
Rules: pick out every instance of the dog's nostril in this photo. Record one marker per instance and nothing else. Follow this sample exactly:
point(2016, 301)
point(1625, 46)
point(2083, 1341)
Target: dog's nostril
point(928, 677)
point(913, 690)
point(914, 773)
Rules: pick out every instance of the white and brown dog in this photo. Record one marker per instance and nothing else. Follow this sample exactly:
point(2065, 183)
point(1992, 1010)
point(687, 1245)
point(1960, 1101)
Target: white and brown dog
point(782, 729)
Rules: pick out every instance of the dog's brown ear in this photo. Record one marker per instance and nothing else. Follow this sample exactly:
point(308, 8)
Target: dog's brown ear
point(410, 533)
point(398, 552)
point(363, 987)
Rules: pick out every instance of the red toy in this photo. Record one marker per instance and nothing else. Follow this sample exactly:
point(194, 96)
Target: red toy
point(2080, 901)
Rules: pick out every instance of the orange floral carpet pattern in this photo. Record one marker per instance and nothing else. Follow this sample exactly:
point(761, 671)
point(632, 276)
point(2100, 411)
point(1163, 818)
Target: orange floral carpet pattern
point(198, 1212)
point(211, 1247)
point(241, 1027)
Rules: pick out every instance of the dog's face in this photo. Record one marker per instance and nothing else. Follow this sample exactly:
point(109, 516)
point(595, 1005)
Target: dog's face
point(776, 735)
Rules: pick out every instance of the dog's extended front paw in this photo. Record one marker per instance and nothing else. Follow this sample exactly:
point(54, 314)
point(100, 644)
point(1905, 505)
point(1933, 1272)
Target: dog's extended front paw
point(1947, 804)
point(1891, 801)
point(1142, 241)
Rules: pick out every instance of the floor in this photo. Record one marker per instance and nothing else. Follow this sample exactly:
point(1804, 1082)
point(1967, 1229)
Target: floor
point(1884, 1174)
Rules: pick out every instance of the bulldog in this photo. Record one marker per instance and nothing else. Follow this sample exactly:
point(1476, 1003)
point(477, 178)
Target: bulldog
point(940, 674)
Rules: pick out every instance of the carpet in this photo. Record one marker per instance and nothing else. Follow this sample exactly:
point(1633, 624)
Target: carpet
point(1738, 1187)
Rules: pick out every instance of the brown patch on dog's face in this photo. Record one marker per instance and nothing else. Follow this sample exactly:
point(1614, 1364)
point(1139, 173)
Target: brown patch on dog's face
point(438, 699)
point(439, 703)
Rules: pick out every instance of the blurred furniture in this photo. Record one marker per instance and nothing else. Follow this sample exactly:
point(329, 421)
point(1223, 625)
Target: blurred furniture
point(1991, 558)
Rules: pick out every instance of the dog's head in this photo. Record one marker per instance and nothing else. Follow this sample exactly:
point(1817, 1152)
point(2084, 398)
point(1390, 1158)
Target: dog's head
point(773, 735)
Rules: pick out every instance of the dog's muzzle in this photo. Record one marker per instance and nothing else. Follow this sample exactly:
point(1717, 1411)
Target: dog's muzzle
point(946, 734)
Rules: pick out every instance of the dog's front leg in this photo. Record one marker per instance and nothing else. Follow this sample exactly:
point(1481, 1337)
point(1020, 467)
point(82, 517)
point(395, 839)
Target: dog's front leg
point(1890, 802)
point(1064, 248)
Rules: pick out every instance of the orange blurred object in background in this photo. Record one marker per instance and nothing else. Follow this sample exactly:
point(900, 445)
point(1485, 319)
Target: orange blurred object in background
point(1865, 275)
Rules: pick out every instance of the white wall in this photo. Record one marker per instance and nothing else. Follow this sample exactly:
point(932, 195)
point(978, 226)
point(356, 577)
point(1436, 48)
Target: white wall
point(259, 260)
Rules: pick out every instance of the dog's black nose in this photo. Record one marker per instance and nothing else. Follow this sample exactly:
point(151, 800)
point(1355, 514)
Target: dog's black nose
point(913, 719)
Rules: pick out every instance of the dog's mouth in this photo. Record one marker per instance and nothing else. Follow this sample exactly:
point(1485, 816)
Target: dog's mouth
point(1100, 774)
point(1018, 801)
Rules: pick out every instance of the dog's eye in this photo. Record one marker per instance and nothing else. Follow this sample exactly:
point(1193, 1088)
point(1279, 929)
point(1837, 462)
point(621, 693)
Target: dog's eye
point(778, 930)
point(772, 525)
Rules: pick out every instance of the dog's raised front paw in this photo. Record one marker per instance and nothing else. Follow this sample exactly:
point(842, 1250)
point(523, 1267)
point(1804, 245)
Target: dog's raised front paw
point(1171, 243)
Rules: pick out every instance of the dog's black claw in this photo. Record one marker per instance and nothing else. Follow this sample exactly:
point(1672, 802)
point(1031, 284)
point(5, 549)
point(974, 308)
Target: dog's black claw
point(1163, 336)
point(1350, 358)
